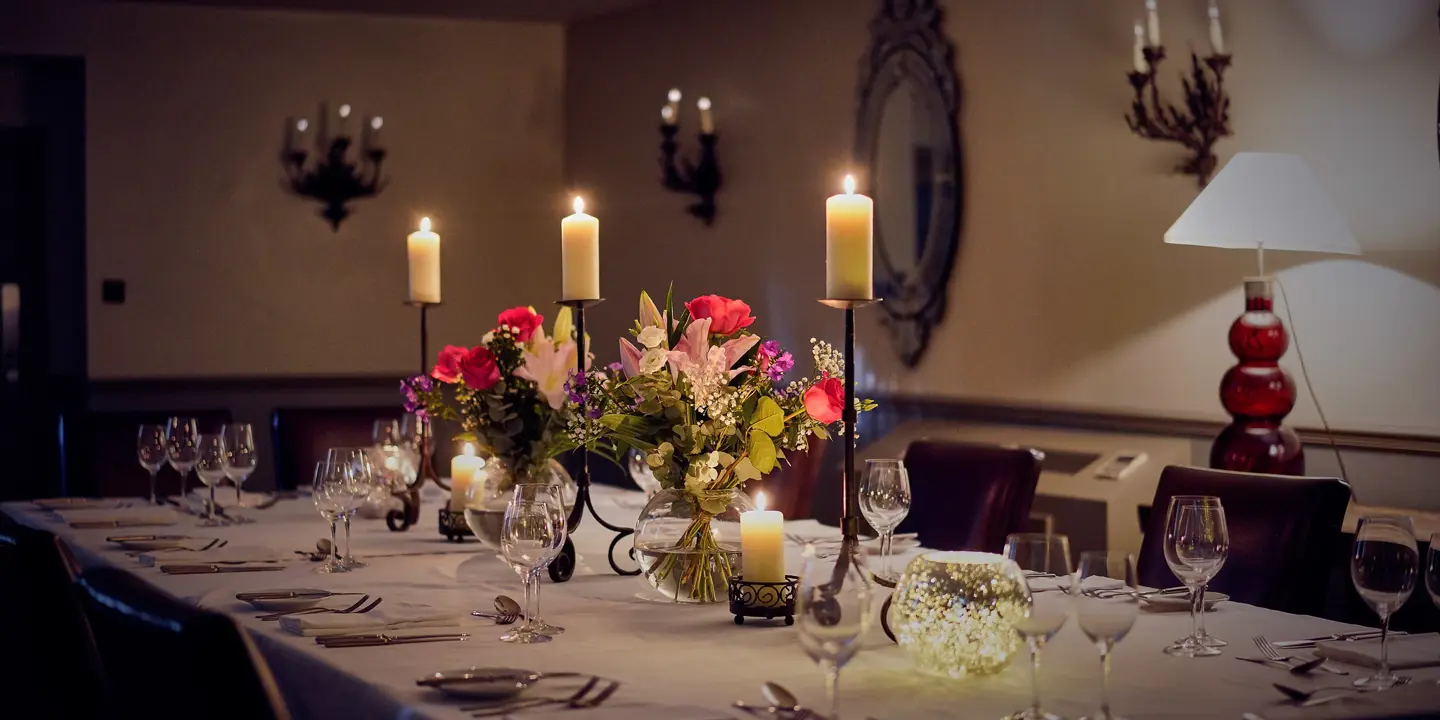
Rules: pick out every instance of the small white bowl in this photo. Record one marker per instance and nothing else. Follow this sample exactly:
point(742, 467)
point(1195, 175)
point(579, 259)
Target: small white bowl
point(299, 598)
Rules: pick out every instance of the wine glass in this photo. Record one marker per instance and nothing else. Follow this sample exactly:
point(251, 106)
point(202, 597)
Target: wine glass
point(210, 466)
point(331, 492)
point(181, 434)
point(1196, 545)
point(1383, 566)
point(1432, 570)
point(552, 495)
point(240, 456)
point(1046, 562)
point(527, 539)
point(641, 473)
point(360, 478)
point(834, 609)
point(151, 448)
point(885, 501)
point(386, 432)
point(1105, 609)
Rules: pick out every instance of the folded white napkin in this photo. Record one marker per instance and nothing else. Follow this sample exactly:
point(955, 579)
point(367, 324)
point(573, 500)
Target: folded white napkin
point(132, 515)
point(400, 616)
point(1406, 651)
point(83, 503)
point(227, 554)
point(225, 497)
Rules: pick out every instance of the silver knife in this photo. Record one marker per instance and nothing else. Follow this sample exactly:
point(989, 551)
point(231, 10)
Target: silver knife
point(201, 569)
point(99, 524)
point(390, 640)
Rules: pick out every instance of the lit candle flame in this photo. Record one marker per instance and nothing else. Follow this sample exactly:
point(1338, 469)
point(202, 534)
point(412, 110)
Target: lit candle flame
point(377, 122)
point(470, 449)
point(849, 184)
point(302, 125)
point(759, 501)
point(704, 103)
point(674, 95)
point(579, 205)
point(344, 111)
point(425, 224)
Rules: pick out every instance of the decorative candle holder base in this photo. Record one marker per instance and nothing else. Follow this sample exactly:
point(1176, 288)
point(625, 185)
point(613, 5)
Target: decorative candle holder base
point(453, 526)
point(409, 514)
point(768, 600)
point(850, 499)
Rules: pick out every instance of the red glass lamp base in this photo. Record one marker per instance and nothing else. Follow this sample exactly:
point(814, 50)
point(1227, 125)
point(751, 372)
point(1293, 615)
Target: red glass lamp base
point(1258, 448)
point(1258, 393)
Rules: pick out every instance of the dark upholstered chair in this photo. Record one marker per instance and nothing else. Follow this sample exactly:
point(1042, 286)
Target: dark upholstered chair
point(303, 435)
point(168, 659)
point(1282, 533)
point(969, 497)
point(100, 452)
point(790, 487)
point(52, 668)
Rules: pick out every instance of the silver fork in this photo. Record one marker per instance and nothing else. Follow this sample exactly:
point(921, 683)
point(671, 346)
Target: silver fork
point(1270, 651)
point(499, 618)
point(355, 609)
point(528, 703)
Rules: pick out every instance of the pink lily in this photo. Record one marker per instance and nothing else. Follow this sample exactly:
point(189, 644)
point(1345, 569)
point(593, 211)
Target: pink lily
point(548, 366)
point(694, 345)
point(629, 358)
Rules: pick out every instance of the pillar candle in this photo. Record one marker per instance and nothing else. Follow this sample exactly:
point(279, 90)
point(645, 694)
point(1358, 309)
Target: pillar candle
point(580, 255)
point(762, 543)
point(671, 111)
point(849, 240)
point(1217, 40)
point(462, 472)
point(707, 120)
point(423, 250)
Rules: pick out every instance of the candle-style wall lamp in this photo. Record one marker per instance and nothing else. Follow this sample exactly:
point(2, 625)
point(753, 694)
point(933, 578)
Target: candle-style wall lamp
point(333, 179)
point(701, 180)
point(1205, 116)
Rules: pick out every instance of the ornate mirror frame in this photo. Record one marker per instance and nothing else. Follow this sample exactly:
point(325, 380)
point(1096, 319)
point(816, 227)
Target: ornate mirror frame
point(906, 43)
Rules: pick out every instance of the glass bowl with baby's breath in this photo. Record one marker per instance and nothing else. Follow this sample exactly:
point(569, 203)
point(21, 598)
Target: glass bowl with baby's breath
point(950, 608)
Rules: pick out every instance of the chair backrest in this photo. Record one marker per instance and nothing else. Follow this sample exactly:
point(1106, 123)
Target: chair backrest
point(1282, 533)
point(969, 497)
point(302, 435)
point(790, 487)
point(100, 451)
point(208, 665)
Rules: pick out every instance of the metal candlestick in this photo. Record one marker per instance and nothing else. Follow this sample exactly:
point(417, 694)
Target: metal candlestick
point(850, 500)
point(401, 520)
point(563, 566)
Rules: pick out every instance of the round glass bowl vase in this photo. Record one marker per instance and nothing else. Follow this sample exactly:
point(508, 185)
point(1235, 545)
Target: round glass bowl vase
point(949, 611)
point(490, 492)
point(688, 548)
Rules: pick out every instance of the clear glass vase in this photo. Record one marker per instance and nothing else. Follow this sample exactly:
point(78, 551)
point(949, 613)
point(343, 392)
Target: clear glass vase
point(490, 492)
point(689, 547)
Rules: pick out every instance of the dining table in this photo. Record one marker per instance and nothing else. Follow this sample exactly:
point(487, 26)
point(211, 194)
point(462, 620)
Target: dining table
point(683, 661)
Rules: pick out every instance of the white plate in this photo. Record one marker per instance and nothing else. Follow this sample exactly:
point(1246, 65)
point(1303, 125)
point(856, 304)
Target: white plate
point(481, 683)
point(1181, 603)
point(303, 598)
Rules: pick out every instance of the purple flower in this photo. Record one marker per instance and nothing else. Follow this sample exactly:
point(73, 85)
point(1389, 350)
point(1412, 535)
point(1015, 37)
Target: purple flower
point(594, 413)
point(424, 383)
point(770, 348)
point(779, 366)
point(615, 367)
point(421, 413)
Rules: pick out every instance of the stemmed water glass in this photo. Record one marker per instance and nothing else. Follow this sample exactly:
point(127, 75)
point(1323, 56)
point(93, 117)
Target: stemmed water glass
point(641, 473)
point(1383, 566)
point(181, 434)
point(1105, 609)
point(885, 501)
point(240, 456)
point(151, 448)
point(1196, 546)
point(331, 492)
point(834, 610)
point(210, 466)
point(1432, 570)
point(552, 495)
point(1046, 562)
point(529, 539)
point(360, 476)
point(386, 432)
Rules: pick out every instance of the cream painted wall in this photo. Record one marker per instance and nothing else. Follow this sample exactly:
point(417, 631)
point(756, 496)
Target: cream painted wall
point(230, 276)
point(1064, 294)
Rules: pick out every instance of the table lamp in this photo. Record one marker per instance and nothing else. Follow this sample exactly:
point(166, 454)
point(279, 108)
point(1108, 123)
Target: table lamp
point(1261, 201)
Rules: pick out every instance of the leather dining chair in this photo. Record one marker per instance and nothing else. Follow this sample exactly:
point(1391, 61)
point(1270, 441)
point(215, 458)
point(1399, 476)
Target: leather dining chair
point(100, 457)
point(1282, 533)
point(166, 658)
point(790, 487)
point(969, 497)
point(303, 435)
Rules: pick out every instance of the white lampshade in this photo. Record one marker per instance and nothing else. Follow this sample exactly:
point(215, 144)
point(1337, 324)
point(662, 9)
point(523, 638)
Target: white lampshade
point(1269, 198)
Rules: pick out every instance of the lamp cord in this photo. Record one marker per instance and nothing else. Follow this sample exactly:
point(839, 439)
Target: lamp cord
point(1305, 374)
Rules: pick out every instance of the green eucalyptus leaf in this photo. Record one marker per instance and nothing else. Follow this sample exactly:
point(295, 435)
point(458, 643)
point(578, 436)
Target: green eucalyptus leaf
point(762, 451)
point(768, 417)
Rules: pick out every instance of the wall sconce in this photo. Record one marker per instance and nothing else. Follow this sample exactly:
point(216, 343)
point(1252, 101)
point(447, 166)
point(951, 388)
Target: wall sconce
point(1206, 114)
point(702, 180)
point(333, 179)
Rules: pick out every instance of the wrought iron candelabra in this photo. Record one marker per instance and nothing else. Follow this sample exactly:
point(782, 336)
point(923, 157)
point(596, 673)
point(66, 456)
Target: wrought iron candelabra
point(409, 514)
point(701, 180)
point(1204, 119)
point(334, 178)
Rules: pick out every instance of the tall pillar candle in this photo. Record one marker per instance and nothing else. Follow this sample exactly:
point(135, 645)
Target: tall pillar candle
point(422, 248)
point(580, 255)
point(762, 543)
point(849, 245)
point(462, 474)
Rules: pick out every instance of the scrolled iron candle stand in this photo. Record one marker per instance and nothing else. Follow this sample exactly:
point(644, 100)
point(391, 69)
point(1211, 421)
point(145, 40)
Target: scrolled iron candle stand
point(409, 514)
point(453, 526)
point(768, 600)
point(562, 568)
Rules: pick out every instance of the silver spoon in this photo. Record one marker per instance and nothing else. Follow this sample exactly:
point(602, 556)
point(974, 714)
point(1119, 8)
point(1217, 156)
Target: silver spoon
point(506, 612)
point(783, 699)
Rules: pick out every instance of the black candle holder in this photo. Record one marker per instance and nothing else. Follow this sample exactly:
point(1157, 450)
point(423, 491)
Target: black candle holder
point(768, 600)
point(850, 499)
point(333, 179)
point(702, 180)
point(409, 513)
point(562, 568)
point(453, 526)
point(1198, 124)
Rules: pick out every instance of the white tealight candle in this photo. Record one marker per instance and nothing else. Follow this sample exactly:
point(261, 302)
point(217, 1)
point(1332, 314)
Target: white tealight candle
point(462, 473)
point(849, 240)
point(762, 543)
point(422, 248)
point(580, 255)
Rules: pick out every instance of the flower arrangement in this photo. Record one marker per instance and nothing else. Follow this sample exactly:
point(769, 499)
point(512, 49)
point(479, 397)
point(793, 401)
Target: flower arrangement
point(704, 399)
point(510, 391)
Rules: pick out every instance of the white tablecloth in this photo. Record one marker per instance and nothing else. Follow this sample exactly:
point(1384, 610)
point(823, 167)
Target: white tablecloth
point(669, 656)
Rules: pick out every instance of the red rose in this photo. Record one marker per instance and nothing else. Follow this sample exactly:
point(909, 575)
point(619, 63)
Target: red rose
point(825, 400)
point(447, 366)
point(523, 319)
point(478, 368)
point(726, 315)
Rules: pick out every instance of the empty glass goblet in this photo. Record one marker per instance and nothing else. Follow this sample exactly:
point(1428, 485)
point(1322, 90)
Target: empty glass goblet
point(331, 492)
point(833, 610)
point(1197, 543)
point(150, 446)
point(1383, 566)
point(1048, 578)
point(527, 539)
point(181, 434)
point(1105, 609)
point(210, 466)
point(240, 456)
point(884, 502)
